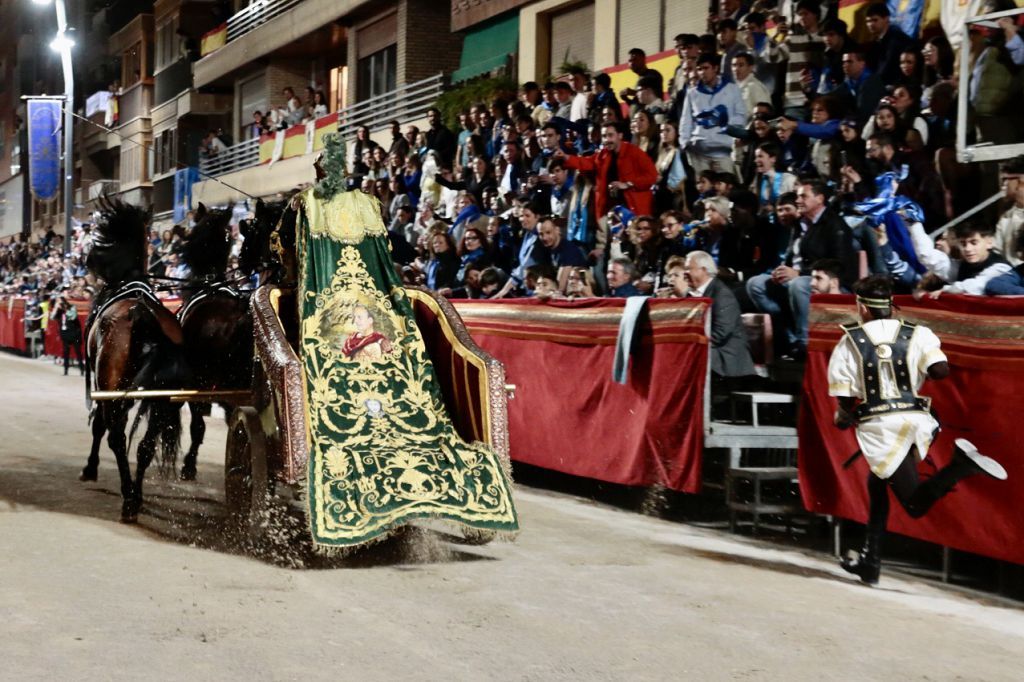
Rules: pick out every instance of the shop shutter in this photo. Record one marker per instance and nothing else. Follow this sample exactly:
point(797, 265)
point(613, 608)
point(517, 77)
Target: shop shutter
point(639, 23)
point(684, 17)
point(572, 34)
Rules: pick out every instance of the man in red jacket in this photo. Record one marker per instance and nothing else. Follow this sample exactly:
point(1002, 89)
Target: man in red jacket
point(624, 173)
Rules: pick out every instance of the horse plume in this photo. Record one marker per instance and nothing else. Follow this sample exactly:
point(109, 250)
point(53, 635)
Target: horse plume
point(119, 251)
point(207, 247)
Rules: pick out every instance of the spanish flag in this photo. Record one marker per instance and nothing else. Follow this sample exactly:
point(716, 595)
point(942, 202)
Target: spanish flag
point(213, 40)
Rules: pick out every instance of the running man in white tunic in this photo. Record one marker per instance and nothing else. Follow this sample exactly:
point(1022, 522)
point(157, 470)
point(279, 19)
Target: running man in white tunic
point(876, 371)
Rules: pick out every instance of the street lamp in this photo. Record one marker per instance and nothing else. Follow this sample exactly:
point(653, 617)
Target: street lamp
point(63, 44)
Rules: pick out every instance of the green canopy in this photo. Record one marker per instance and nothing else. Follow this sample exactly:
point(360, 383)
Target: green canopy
point(488, 46)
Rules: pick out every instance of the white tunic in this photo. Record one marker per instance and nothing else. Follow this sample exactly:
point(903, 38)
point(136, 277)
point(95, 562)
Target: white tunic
point(886, 440)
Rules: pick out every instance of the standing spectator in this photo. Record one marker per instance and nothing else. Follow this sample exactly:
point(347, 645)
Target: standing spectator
point(462, 143)
point(399, 145)
point(66, 316)
point(320, 104)
point(515, 169)
point(726, 30)
point(564, 96)
point(442, 268)
point(670, 193)
point(581, 102)
point(1009, 227)
point(837, 43)
point(888, 43)
point(687, 46)
point(646, 134)
point(257, 127)
point(764, 51)
point(753, 90)
point(707, 110)
point(638, 64)
point(440, 138)
point(862, 89)
point(938, 66)
point(623, 172)
point(649, 99)
point(803, 50)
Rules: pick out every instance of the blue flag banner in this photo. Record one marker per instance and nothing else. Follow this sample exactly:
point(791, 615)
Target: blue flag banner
point(44, 148)
point(906, 15)
point(183, 181)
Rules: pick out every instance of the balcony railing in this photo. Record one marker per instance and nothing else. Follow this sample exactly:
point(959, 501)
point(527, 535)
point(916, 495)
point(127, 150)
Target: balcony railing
point(255, 15)
point(236, 157)
point(406, 103)
point(99, 188)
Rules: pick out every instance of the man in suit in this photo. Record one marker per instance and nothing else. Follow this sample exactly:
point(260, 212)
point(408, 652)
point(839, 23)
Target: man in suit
point(730, 352)
point(786, 292)
point(888, 43)
point(861, 90)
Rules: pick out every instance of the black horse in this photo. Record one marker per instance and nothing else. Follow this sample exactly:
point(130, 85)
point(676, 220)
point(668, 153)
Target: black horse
point(133, 343)
point(216, 322)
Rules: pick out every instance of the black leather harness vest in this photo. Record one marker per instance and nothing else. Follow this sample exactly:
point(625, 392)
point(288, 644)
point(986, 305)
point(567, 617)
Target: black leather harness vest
point(888, 358)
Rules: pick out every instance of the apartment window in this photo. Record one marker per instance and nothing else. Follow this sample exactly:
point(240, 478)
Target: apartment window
point(166, 45)
point(131, 66)
point(252, 97)
point(376, 73)
point(165, 152)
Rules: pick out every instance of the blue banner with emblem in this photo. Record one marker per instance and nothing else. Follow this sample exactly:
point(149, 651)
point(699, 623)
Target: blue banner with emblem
point(44, 131)
point(183, 181)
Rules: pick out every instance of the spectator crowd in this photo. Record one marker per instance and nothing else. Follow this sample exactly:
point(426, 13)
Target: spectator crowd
point(782, 158)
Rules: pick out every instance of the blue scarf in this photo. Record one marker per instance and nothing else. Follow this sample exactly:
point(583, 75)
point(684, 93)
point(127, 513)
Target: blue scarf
point(466, 215)
point(701, 87)
point(886, 208)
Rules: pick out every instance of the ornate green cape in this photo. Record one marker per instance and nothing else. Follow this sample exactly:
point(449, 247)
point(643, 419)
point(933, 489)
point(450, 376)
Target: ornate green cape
point(382, 448)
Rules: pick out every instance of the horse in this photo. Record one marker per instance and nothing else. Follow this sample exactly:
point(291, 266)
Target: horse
point(133, 342)
point(217, 322)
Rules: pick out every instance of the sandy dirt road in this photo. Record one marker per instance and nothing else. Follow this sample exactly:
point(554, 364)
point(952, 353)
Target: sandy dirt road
point(585, 592)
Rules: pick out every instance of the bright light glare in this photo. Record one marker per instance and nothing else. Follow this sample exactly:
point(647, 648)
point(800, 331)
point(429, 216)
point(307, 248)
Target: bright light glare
point(61, 43)
point(41, 2)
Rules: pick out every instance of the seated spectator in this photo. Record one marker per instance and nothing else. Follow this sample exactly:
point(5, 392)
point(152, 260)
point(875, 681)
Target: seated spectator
point(823, 128)
point(1009, 283)
point(825, 276)
point(492, 279)
point(785, 293)
point(556, 250)
point(979, 265)
point(442, 268)
point(468, 213)
point(770, 183)
point(730, 351)
point(473, 250)
point(651, 252)
point(675, 278)
point(1011, 223)
point(621, 274)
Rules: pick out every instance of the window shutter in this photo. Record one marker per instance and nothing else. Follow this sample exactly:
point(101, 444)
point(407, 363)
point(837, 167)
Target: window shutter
point(639, 23)
point(572, 38)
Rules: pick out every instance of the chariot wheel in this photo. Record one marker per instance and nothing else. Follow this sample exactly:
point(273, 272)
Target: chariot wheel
point(246, 484)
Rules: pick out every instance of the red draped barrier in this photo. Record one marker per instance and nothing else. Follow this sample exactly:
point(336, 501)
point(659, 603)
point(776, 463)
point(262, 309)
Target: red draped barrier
point(569, 416)
point(984, 341)
point(12, 323)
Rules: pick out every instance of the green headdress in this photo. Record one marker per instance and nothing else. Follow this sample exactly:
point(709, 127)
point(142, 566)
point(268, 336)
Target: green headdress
point(331, 164)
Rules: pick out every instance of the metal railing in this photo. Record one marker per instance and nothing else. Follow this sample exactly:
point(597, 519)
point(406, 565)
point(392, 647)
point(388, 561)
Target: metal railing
point(255, 15)
point(100, 187)
point(405, 103)
point(236, 157)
